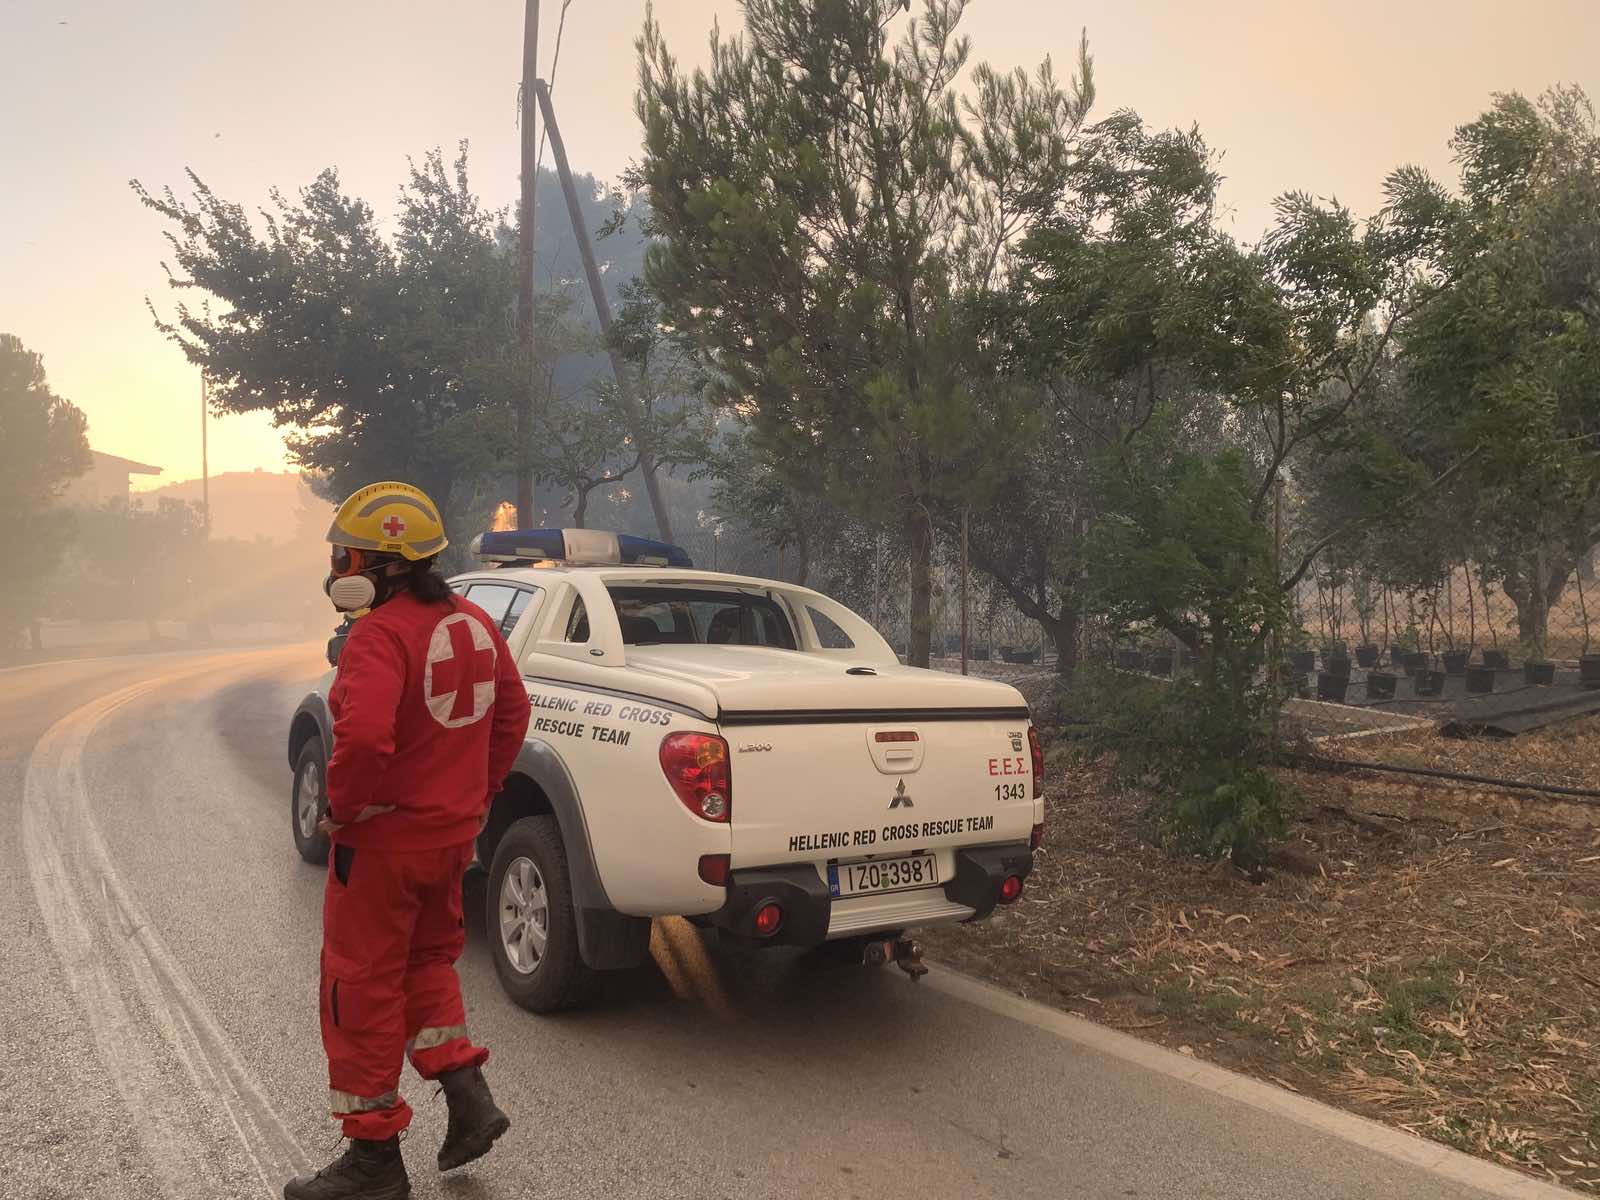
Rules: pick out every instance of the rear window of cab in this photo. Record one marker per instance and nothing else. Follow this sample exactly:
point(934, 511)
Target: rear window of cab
point(684, 616)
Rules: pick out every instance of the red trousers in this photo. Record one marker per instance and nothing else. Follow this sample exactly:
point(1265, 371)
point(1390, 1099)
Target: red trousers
point(392, 931)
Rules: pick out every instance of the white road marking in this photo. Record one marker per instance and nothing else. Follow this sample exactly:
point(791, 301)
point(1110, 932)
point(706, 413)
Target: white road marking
point(107, 954)
point(1432, 1157)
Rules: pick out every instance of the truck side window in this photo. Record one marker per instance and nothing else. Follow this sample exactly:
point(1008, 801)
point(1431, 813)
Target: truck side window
point(494, 598)
point(519, 603)
point(829, 635)
point(578, 622)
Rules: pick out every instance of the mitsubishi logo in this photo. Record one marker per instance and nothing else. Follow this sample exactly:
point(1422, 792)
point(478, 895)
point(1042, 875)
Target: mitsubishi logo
point(900, 799)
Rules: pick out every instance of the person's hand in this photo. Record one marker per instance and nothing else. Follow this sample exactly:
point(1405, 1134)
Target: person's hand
point(330, 827)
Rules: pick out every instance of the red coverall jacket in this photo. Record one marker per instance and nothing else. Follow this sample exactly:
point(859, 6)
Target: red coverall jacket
point(429, 712)
point(415, 684)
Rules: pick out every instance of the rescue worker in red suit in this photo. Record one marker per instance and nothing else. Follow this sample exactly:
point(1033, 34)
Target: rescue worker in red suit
point(429, 712)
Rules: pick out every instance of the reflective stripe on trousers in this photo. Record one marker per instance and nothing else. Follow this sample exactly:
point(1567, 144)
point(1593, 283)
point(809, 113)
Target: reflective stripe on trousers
point(427, 1039)
point(343, 1102)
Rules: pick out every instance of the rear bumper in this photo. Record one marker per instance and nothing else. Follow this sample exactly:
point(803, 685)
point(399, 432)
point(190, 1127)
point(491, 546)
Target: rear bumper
point(810, 915)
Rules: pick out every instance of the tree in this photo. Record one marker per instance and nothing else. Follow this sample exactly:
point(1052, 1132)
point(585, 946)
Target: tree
point(383, 359)
point(43, 447)
point(1504, 364)
point(138, 563)
point(820, 197)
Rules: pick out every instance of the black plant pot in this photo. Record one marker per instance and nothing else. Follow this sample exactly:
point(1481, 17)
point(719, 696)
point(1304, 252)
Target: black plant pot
point(1480, 680)
point(1332, 687)
point(1428, 683)
point(1380, 685)
point(1161, 664)
point(1539, 674)
point(1305, 661)
point(1367, 656)
point(1397, 656)
point(1130, 660)
point(1497, 660)
point(1338, 664)
point(1455, 661)
point(1589, 670)
point(1416, 662)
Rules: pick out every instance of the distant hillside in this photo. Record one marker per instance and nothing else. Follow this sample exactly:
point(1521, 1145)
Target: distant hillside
point(277, 505)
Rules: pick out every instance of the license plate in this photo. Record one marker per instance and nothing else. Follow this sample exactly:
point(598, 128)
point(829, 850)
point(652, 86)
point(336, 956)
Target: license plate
point(883, 875)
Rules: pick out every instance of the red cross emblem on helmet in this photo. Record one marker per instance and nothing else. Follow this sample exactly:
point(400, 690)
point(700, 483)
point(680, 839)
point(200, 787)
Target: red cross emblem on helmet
point(394, 526)
point(458, 680)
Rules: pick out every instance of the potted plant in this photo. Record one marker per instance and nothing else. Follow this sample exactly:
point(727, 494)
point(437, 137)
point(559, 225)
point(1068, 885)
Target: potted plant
point(1381, 685)
point(1337, 664)
point(1428, 683)
point(1497, 660)
point(1536, 669)
point(1416, 663)
point(1455, 661)
point(1480, 680)
point(1332, 687)
point(1365, 598)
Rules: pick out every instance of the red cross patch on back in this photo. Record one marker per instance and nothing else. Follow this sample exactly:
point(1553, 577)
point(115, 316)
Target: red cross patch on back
point(458, 680)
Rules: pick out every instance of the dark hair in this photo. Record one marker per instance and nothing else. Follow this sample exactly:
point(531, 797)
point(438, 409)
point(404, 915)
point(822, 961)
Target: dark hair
point(426, 583)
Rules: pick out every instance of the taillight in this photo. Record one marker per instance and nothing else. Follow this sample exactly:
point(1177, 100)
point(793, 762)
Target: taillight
point(714, 868)
point(1010, 889)
point(1036, 838)
point(1038, 761)
point(696, 765)
point(769, 919)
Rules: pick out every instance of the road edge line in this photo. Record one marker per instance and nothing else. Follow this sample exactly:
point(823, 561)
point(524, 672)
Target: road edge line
point(1264, 1097)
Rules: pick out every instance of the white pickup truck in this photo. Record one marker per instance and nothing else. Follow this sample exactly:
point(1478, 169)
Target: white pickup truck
point(744, 753)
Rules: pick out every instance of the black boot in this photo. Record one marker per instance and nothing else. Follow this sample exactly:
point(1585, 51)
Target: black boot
point(475, 1120)
point(365, 1171)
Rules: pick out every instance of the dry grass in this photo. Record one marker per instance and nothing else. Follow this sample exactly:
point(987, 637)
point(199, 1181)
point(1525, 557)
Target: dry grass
point(1444, 979)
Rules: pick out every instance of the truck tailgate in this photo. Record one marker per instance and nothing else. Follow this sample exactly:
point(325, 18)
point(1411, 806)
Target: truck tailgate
point(847, 786)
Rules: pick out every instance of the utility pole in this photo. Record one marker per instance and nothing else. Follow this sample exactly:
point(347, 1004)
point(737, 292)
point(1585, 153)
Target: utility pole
point(203, 593)
point(602, 310)
point(525, 279)
point(205, 458)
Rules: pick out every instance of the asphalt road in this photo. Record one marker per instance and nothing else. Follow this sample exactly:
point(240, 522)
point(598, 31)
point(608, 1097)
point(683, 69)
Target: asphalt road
point(158, 1025)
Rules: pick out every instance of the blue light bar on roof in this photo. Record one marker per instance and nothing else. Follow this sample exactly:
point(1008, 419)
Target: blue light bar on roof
point(577, 546)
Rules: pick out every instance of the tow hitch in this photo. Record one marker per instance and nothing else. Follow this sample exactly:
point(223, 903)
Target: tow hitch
point(905, 953)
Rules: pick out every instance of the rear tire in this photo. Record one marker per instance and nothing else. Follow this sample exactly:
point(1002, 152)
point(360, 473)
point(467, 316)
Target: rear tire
point(530, 920)
point(308, 803)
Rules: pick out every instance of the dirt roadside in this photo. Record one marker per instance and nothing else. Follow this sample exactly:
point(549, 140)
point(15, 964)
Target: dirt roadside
point(1438, 970)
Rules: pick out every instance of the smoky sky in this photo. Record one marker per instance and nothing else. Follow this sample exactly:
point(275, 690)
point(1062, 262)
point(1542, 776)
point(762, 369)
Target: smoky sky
point(1317, 95)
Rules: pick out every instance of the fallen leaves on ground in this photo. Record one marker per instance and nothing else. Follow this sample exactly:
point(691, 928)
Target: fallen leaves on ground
point(1440, 978)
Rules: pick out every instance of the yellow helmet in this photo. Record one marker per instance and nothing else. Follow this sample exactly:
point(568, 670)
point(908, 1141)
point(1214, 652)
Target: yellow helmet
point(390, 518)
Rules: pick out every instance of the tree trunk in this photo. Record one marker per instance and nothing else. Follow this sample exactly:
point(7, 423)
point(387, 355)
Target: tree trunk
point(1533, 589)
point(802, 548)
point(919, 539)
point(1064, 630)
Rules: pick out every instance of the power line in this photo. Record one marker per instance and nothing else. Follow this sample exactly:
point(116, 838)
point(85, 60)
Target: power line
point(555, 63)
